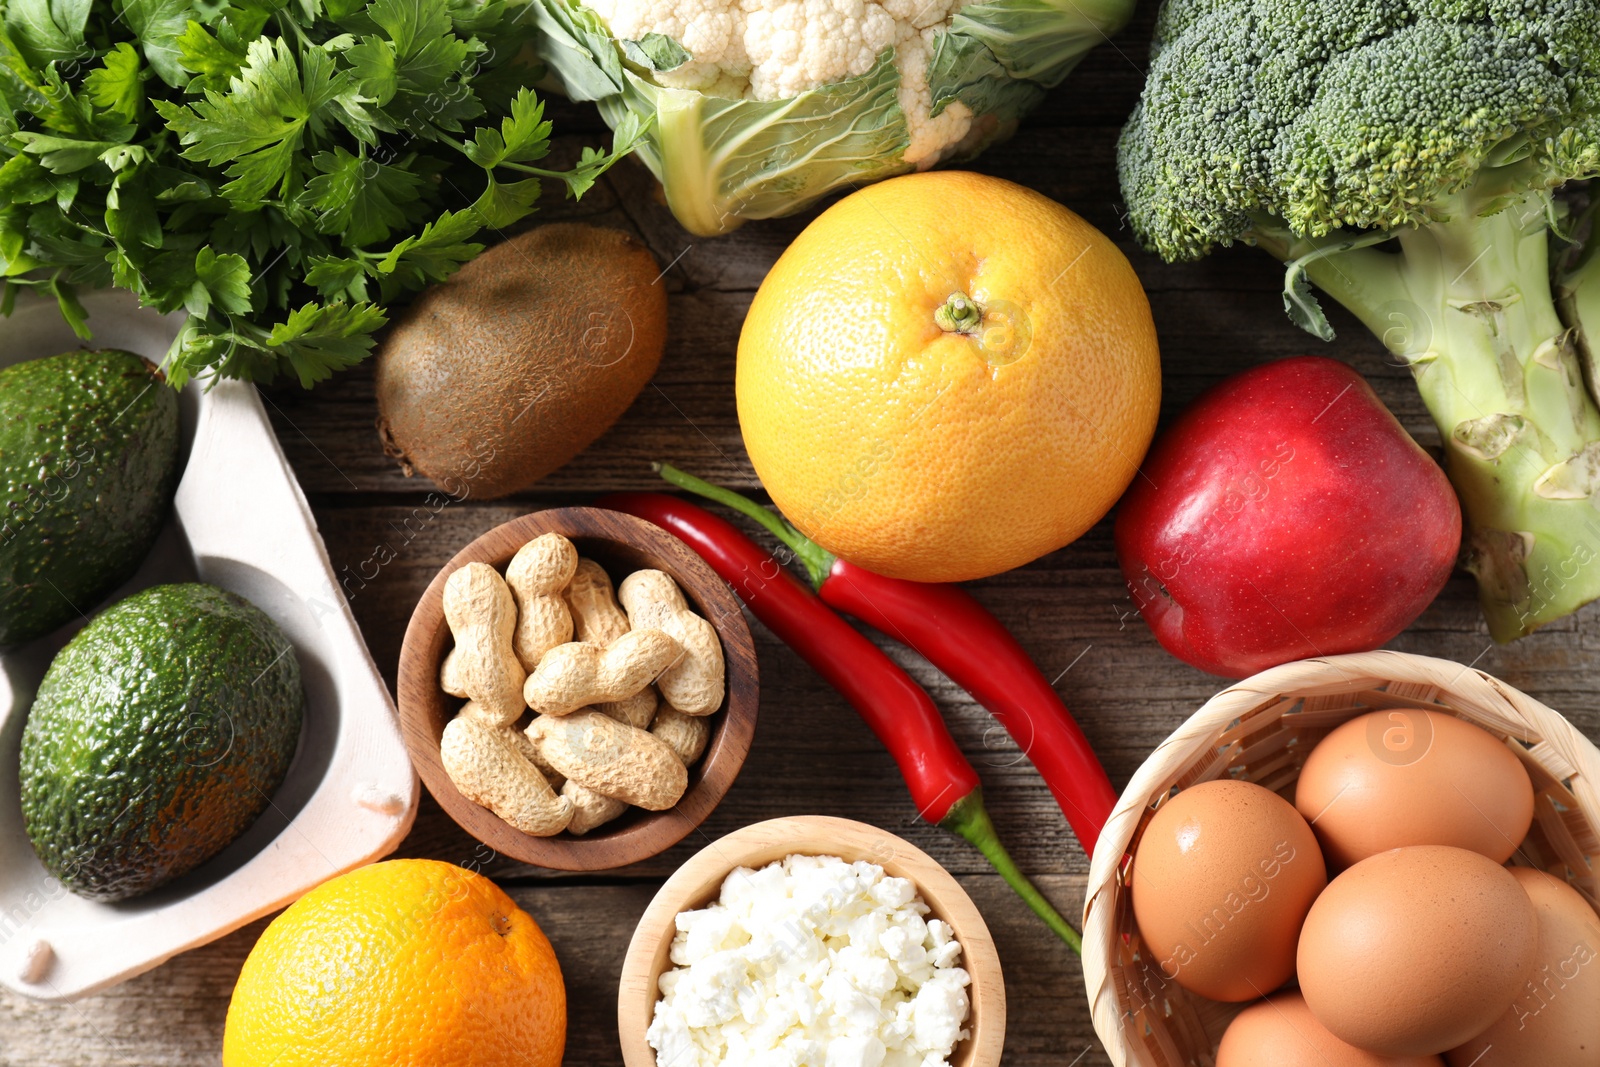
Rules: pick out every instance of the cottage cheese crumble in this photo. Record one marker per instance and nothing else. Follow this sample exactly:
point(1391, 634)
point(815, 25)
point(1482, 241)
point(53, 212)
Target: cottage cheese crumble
point(811, 962)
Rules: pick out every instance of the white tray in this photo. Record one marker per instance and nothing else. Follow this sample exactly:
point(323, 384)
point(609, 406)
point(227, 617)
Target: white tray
point(240, 522)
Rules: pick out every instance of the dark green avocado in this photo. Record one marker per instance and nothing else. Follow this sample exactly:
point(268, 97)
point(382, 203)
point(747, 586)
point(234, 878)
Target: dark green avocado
point(158, 736)
point(88, 464)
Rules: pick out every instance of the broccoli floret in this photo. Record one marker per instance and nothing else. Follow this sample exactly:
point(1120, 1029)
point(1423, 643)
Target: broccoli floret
point(1406, 156)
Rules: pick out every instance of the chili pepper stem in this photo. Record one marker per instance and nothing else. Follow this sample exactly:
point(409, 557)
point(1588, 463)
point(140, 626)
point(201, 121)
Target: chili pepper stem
point(969, 818)
point(818, 561)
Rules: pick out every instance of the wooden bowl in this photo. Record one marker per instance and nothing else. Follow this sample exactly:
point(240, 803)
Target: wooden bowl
point(621, 544)
point(699, 881)
point(1261, 730)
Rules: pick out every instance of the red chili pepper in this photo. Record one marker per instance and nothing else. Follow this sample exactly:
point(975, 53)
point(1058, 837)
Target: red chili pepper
point(942, 781)
point(949, 628)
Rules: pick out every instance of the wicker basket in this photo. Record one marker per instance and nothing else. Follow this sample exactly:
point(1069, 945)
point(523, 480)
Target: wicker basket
point(1262, 729)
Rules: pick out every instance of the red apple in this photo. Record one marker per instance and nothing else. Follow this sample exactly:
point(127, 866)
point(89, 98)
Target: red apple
point(1285, 514)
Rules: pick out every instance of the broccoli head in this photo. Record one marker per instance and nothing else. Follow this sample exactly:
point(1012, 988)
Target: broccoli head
point(1323, 115)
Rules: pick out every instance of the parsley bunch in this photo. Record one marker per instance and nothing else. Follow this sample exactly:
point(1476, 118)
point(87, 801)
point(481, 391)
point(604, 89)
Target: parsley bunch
point(278, 169)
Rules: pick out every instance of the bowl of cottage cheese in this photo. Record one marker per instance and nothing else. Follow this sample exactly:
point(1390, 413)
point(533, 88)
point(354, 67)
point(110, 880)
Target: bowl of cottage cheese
point(811, 942)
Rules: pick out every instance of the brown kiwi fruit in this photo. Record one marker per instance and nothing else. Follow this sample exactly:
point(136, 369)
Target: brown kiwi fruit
point(526, 355)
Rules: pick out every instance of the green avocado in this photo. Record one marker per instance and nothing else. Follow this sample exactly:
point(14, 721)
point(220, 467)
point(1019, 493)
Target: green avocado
point(158, 735)
point(88, 464)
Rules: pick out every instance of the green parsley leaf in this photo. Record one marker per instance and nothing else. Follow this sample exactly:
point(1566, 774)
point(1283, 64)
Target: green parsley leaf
point(223, 281)
point(14, 258)
point(374, 67)
point(74, 114)
point(49, 31)
point(334, 277)
point(179, 187)
point(71, 309)
point(436, 253)
point(23, 180)
point(318, 339)
point(229, 348)
point(159, 23)
point(430, 67)
point(131, 213)
point(359, 198)
point(261, 123)
point(501, 205)
point(120, 157)
point(593, 162)
point(523, 137)
point(213, 61)
point(118, 84)
point(248, 18)
point(412, 25)
point(57, 239)
point(63, 155)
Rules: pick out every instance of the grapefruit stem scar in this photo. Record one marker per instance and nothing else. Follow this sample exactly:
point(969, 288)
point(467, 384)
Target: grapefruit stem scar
point(959, 314)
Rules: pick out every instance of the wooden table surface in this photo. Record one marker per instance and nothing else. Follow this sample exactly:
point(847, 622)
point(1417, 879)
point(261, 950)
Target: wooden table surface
point(811, 753)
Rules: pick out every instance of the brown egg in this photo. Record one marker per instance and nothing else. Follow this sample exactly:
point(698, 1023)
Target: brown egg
point(1414, 951)
point(1222, 879)
point(1555, 1022)
point(1282, 1032)
point(1407, 777)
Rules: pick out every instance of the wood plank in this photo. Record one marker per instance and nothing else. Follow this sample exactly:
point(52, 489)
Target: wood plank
point(387, 536)
point(174, 1017)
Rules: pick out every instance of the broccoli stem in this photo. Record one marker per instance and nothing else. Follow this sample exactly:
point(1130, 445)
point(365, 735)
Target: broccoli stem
point(1578, 293)
point(1468, 303)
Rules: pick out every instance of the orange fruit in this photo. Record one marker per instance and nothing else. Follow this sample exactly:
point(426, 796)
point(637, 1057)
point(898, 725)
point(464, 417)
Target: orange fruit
point(408, 963)
point(947, 375)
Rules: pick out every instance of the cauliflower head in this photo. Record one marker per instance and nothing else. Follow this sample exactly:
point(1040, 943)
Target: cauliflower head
point(774, 49)
point(757, 108)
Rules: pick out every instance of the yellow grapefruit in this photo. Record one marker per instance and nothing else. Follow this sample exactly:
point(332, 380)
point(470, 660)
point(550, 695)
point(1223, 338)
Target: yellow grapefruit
point(947, 375)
